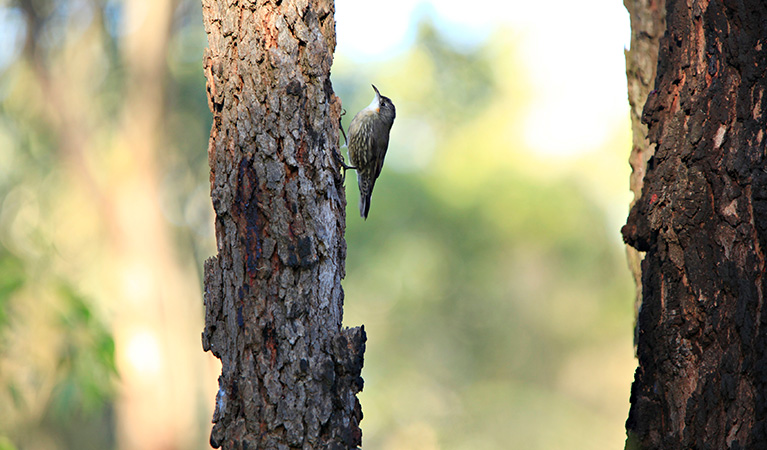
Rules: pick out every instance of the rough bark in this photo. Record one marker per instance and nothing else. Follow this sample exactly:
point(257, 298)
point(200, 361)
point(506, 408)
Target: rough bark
point(648, 23)
point(702, 221)
point(273, 293)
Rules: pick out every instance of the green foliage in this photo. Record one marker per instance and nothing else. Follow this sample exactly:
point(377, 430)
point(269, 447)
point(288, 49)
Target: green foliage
point(12, 279)
point(463, 80)
point(57, 362)
point(86, 357)
point(6, 444)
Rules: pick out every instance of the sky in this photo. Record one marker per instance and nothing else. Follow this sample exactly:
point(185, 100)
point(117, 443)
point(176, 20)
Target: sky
point(573, 51)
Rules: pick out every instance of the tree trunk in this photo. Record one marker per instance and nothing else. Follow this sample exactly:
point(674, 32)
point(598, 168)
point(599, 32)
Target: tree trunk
point(702, 221)
point(273, 293)
point(648, 23)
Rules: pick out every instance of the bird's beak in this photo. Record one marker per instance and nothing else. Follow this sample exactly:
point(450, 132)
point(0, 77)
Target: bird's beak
point(378, 94)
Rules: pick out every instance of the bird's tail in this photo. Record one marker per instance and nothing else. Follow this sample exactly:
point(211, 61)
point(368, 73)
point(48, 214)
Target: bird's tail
point(366, 190)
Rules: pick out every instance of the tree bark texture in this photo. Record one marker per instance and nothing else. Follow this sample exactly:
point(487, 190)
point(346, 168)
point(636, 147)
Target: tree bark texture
point(648, 23)
point(273, 295)
point(702, 221)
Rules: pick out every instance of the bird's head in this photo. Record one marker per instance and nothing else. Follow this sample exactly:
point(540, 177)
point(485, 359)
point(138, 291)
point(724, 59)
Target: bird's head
point(383, 106)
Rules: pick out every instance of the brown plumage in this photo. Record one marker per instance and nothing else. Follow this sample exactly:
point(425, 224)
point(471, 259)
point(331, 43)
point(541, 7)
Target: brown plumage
point(368, 141)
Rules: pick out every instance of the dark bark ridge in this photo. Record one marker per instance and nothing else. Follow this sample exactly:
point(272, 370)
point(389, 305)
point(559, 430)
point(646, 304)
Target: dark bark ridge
point(701, 380)
point(273, 296)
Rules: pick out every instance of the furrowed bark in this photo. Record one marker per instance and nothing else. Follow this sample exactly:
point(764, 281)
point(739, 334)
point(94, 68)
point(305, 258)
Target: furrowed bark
point(273, 295)
point(702, 221)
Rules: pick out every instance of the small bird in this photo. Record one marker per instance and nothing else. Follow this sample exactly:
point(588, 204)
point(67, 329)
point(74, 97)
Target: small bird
point(368, 140)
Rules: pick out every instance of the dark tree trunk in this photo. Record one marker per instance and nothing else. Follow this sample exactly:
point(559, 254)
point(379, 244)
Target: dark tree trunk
point(273, 295)
point(702, 221)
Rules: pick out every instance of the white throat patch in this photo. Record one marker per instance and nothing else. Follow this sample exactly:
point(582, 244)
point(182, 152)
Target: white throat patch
point(374, 105)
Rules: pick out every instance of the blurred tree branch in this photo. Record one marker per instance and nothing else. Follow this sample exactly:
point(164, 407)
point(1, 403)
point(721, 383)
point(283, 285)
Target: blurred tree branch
point(65, 107)
point(112, 156)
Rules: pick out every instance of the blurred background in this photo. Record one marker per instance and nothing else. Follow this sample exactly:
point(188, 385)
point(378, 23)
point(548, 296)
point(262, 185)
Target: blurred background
point(490, 276)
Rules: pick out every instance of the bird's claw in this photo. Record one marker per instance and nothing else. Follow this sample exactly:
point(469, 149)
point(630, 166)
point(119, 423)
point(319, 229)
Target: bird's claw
point(344, 166)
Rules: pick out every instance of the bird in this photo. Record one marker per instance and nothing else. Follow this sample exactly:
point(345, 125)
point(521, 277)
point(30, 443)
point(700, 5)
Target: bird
point(368, 141)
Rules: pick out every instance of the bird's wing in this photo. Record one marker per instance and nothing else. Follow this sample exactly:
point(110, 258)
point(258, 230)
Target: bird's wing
point(381, 155)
